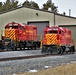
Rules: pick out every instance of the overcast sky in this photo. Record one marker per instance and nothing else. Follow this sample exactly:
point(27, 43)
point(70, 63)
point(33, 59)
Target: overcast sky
point(63, 5)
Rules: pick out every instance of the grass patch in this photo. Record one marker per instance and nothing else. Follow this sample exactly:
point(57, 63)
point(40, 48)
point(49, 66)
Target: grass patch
point(69, 69)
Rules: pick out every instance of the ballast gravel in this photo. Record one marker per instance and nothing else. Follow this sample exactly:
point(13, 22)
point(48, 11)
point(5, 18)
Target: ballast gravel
point(24, 65)
point(19, 53)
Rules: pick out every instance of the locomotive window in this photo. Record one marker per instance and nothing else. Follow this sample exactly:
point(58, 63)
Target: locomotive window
point(14, 27)
point(59, 32)
point(55, 32)
point(49, 31)
point(20, 28)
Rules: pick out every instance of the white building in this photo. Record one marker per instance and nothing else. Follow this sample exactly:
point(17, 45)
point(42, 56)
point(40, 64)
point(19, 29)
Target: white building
point(37, 17)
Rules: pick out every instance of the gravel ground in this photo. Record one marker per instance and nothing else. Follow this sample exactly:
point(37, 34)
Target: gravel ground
point(19, 66)
point(19, 53)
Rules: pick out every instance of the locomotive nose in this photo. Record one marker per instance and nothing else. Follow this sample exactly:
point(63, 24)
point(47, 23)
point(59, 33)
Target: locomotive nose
point(51, 39)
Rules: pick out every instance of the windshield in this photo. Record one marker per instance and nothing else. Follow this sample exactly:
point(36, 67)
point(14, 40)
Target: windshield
point(54, 32)
point(14, 27)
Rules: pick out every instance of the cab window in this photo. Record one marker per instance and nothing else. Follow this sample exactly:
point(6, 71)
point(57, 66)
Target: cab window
point(49, 31)
point(55, 32)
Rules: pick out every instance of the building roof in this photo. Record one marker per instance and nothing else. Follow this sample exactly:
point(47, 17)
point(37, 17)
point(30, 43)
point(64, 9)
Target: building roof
point(36, 9)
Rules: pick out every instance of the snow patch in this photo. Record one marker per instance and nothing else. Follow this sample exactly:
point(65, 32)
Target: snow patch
point(33, 70)
point(73, 61)
point(14, 74)
point(47, 67)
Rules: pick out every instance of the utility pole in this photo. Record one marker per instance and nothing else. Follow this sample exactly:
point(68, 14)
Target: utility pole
point(54, 18)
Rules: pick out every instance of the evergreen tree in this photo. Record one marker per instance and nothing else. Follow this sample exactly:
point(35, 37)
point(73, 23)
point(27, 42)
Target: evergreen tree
point(1, 4)
point(30, 4)
point(51, 5)
point(9, 4)
point(26, 3)
point(14, 3)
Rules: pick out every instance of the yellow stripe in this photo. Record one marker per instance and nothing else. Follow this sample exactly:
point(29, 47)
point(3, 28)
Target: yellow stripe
point(10, 33)
point(51, 38)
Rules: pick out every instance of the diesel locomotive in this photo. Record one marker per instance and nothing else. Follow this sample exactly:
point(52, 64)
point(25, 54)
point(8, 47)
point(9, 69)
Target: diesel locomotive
point(20, 36)
point(57, 40)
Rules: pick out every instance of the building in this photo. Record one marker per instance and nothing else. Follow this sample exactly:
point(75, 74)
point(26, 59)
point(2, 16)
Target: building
point(37, 17)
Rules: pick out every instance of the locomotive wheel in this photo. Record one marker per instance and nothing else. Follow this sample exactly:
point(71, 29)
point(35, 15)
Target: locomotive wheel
point(73, 49)
point(48, 50)
point(55, 50)
point(52, 50)
point(44, 48)
point(60, 51)
point(35, 47)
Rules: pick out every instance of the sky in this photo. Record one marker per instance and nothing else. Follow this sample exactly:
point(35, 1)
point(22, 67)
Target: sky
point(63, 5)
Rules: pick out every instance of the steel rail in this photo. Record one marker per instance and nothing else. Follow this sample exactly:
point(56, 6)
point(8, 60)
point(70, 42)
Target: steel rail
point(30, 57)
point(21, 57)
point(17, 50)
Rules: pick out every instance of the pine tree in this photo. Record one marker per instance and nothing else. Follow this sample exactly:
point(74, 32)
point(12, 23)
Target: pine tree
point(30, 4)
point(51, 5)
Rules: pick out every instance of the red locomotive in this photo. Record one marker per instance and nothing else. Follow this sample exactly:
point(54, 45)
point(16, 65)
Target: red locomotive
point(57, 40)
point(20, 36)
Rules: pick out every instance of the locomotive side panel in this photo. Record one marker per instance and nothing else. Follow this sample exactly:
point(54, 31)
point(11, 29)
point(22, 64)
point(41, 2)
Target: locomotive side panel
point(68, 37)
point(31, 32)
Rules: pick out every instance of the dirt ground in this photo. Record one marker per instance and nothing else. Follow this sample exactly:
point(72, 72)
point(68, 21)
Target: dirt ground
point(69, 69)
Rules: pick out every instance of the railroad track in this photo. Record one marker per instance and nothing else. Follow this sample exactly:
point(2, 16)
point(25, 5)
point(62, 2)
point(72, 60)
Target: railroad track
point(29, 57)
point(21, 57)
point(17, 50)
